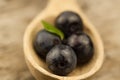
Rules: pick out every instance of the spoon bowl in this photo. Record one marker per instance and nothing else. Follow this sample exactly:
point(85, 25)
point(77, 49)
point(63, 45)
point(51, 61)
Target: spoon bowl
point(38, 67)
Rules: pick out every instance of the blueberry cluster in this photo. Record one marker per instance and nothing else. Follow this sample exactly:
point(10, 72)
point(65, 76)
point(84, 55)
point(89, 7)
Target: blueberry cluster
point(62, 56)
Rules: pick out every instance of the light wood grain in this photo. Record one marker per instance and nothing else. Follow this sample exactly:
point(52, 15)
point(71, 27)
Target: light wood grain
point(15, 15)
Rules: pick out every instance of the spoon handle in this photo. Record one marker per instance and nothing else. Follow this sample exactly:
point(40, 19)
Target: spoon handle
point(62, 5)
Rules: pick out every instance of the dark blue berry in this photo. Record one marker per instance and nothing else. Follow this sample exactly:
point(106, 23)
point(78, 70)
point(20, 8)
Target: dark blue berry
point(83, 47)
point(44, 41)
point(69, 22)
point(61, 60)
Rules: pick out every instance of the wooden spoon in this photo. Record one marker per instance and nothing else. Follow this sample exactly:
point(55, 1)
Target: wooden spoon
point(38, 67)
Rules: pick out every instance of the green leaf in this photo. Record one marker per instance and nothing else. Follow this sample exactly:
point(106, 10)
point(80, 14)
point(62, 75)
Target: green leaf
point(49, 27)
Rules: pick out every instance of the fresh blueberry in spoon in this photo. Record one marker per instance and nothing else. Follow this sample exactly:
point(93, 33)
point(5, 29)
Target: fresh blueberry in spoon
point(61, 60)
point(44, 41)
point(83, 47)
point(69, 22)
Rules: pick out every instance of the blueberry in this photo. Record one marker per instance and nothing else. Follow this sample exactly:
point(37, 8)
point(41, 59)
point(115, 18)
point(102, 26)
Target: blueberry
point(61, 60)
point(69, 22)
point(44, 41)
point(83, 47)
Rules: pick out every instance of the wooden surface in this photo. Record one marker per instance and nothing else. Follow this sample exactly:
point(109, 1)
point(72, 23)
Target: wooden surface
point(15, 15)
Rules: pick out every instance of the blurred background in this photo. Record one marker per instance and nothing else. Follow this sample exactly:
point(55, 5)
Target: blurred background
point(15, 15)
